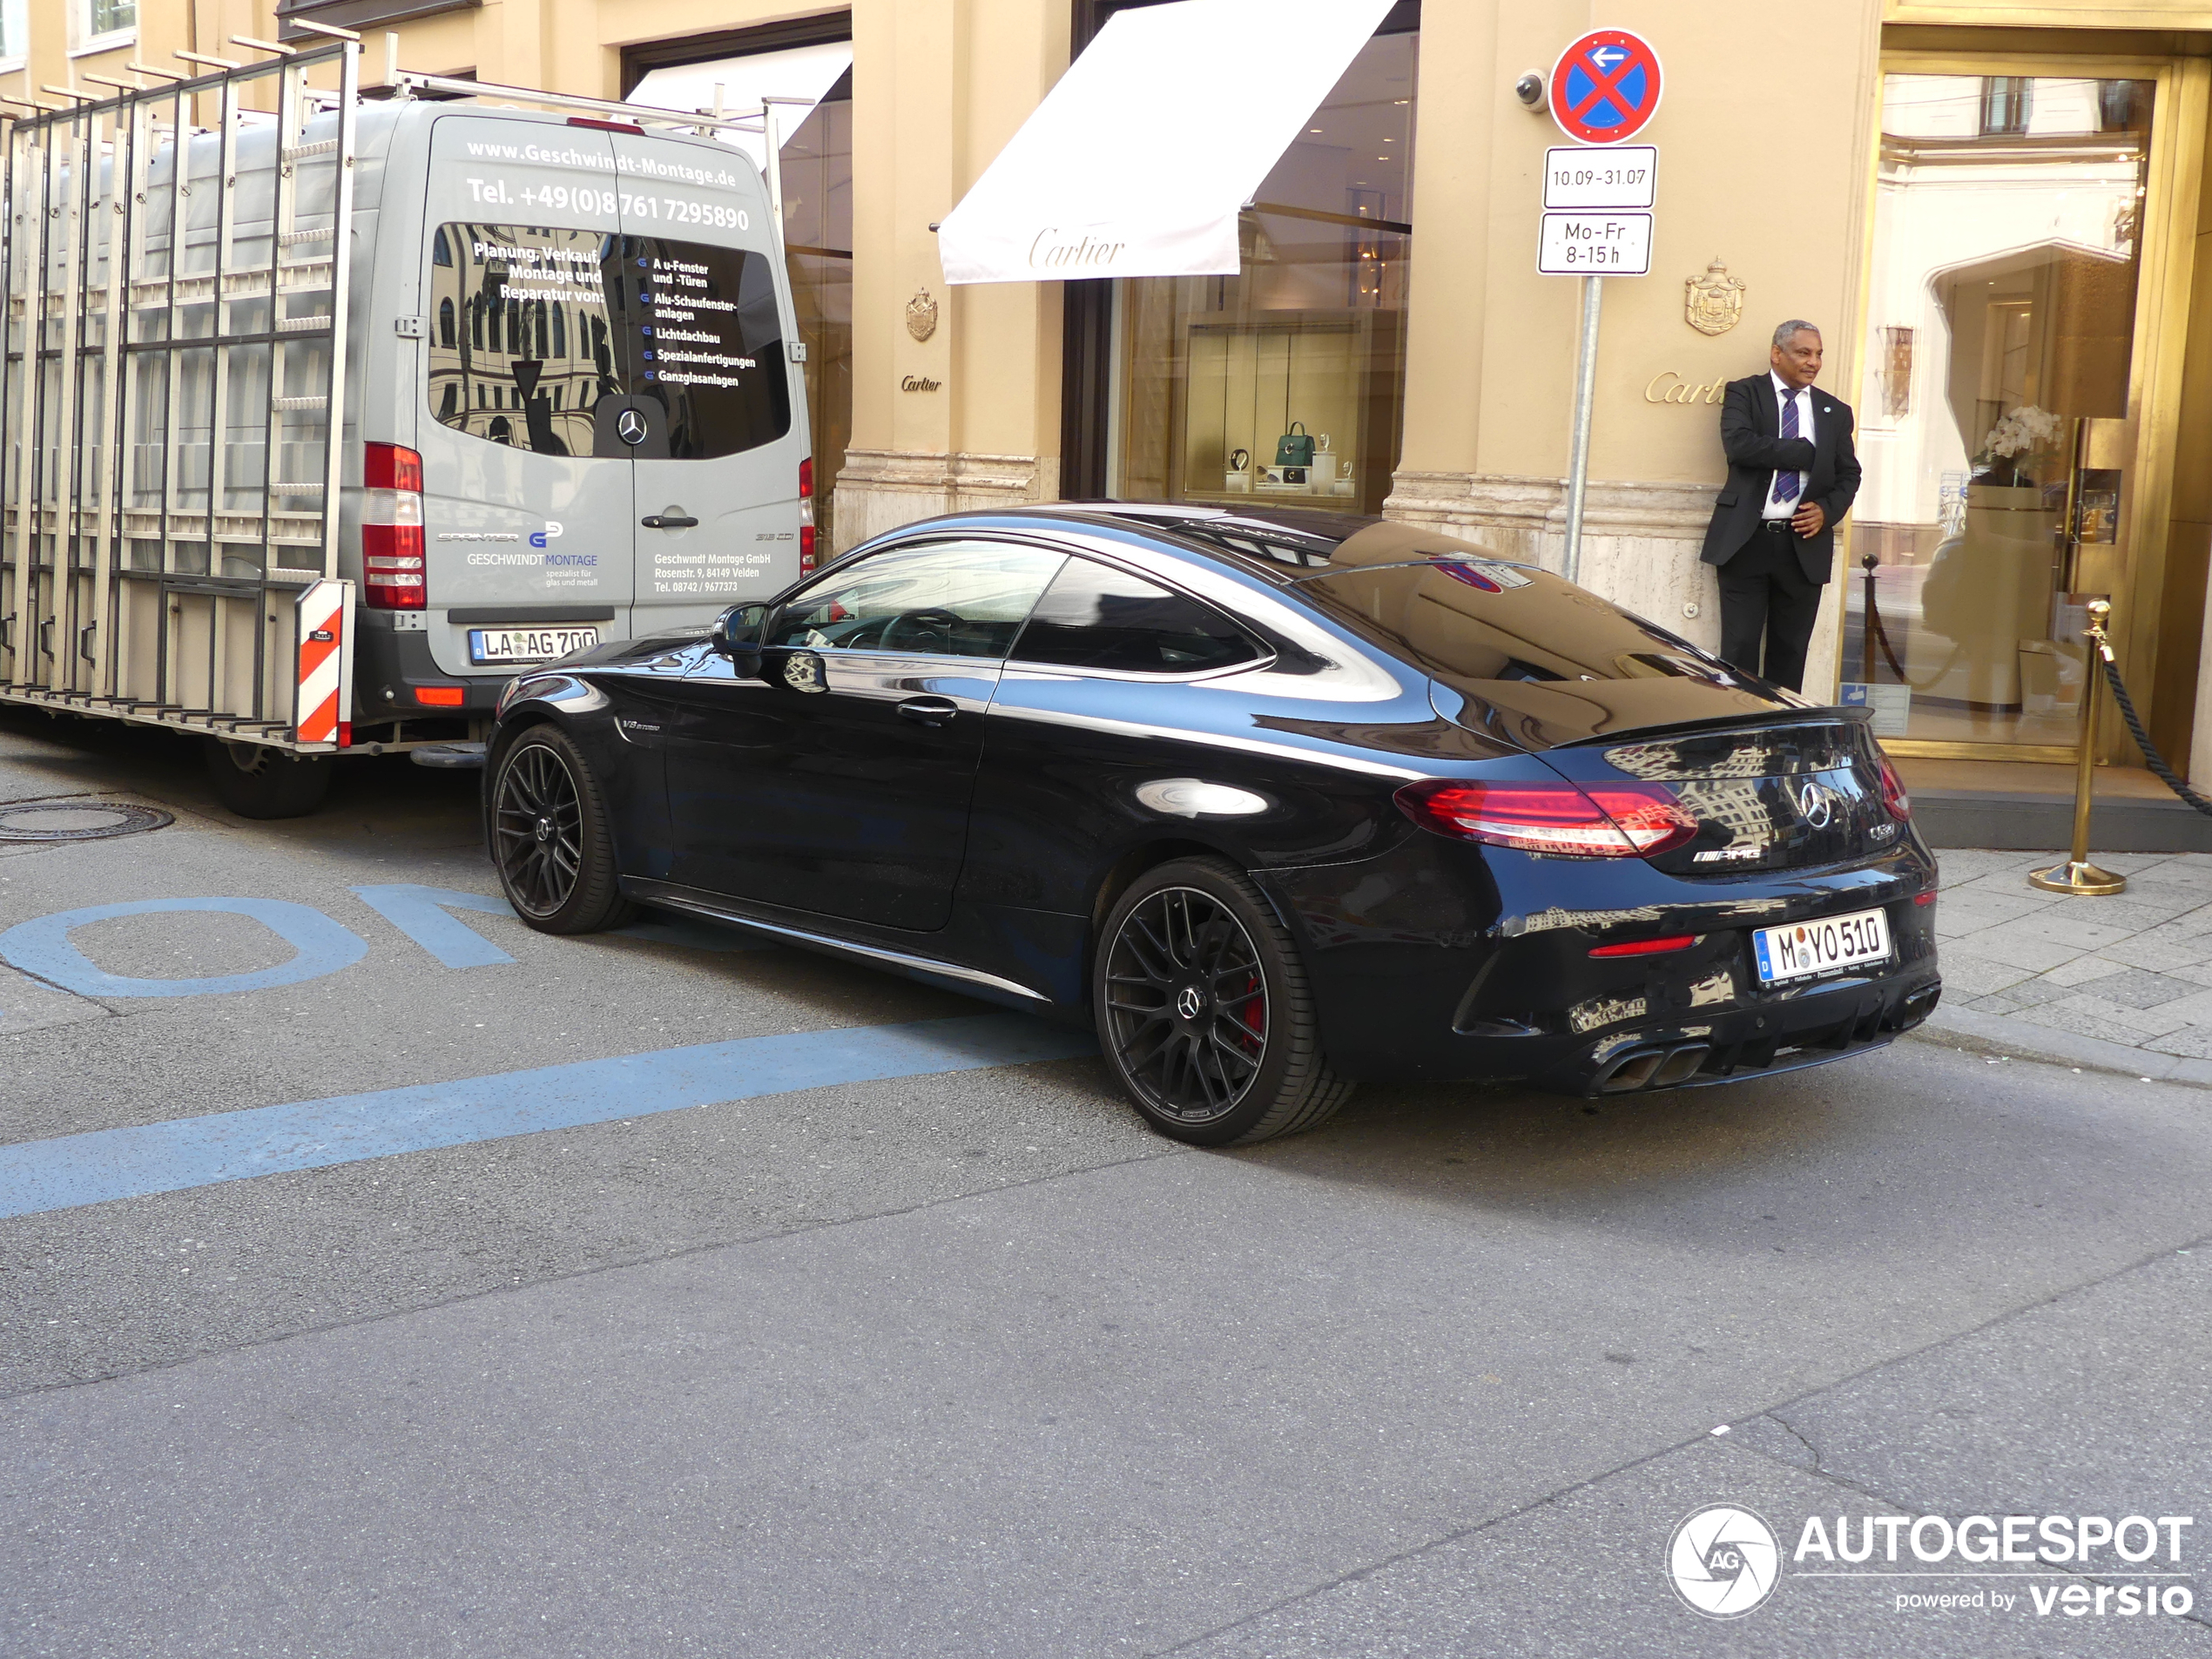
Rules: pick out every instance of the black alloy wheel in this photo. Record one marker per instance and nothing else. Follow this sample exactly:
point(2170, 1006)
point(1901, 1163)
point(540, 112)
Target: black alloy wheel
point(1203, 1012)
point(549, 838)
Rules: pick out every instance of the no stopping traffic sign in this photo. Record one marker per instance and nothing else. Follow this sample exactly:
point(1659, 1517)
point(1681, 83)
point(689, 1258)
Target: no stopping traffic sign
point(1605, 86)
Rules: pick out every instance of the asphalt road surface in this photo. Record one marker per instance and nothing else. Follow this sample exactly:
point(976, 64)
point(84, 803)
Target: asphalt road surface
point(414, 1284)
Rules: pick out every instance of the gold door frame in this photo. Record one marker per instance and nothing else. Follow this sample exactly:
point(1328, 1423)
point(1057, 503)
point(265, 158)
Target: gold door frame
point(2172, 183)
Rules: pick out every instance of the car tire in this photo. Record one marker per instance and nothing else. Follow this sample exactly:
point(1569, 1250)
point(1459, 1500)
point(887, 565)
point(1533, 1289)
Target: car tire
point(256, 781)
point(1204, 1010)
point(551, 839)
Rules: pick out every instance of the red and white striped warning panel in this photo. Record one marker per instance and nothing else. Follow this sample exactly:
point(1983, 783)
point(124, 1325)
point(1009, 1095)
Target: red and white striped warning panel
point(323, 710)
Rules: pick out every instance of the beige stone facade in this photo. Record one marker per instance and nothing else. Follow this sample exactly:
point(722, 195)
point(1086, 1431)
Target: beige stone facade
point(1769, 134)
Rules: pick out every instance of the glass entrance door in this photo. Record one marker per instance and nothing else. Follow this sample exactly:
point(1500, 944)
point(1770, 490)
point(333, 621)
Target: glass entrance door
point(1995, 421)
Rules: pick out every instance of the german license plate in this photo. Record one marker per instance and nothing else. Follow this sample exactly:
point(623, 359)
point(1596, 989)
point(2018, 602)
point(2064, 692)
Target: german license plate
point(526, 645)
point(1804, 948)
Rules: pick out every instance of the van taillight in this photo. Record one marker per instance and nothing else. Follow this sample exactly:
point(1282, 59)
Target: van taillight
point(392, 566)
point(807, 516)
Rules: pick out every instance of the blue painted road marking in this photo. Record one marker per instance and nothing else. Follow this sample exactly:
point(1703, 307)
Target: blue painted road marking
point(109, 1164)
point(420, 912)
point(42, 946)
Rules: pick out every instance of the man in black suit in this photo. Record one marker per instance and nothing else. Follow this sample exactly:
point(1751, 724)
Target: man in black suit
point(1791, 475)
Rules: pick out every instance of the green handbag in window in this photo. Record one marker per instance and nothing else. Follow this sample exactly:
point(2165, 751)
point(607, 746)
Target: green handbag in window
point(1294, 448)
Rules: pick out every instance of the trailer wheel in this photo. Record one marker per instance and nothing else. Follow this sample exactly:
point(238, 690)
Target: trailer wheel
point(255, 781)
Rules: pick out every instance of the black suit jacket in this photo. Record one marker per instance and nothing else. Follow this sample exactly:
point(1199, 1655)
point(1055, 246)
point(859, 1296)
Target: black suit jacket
point(1751, 435)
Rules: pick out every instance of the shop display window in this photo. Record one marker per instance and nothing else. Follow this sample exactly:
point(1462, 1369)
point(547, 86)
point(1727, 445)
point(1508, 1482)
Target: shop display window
point(1286, 382)
point(2001, 331)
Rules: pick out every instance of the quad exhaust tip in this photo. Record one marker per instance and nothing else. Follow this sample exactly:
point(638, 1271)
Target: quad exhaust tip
point(1654, 1068)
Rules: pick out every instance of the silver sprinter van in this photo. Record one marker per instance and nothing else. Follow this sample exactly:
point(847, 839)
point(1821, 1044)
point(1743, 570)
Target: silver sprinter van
point(557, 350)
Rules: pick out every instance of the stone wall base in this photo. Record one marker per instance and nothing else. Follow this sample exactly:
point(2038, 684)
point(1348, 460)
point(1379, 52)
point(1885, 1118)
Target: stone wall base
point(1640, 546)
point(880, 489)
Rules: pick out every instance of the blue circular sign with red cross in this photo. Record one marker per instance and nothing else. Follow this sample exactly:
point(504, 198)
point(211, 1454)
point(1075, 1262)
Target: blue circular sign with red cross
point(1605, 86)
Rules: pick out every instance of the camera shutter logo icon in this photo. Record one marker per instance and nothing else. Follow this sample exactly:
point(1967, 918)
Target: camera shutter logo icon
point(1723, 1561)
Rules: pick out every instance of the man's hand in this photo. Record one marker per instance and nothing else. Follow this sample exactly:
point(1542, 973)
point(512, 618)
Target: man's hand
point(1808, 520)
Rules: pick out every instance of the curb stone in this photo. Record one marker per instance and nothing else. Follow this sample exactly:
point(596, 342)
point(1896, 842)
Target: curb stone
point(2031, 1040)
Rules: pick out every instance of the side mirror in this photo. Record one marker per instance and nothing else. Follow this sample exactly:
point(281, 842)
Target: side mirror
point(737, 636)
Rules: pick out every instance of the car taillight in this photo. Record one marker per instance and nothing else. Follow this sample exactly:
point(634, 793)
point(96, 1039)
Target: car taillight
point(807, 516)
point(393, 574)
point(1605, 821)
point(1893, 792)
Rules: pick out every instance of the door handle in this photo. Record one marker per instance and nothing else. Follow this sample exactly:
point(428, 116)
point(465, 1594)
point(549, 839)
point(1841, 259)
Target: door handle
point(668, 521)
point(929, 711)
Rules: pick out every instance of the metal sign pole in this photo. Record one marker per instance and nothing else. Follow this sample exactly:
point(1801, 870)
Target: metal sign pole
point(1598, 198)
point(1578, 465)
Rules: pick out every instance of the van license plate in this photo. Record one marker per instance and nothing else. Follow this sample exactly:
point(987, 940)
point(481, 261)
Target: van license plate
point(1808, 947)
point(526, 645)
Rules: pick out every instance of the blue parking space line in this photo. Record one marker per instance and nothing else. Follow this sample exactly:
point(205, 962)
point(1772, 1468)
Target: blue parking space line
point(420, 912)
point(105, 1164)
point(320, 945)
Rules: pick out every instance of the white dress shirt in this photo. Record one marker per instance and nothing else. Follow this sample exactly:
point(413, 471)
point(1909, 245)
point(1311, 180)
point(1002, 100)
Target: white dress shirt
point(1782, 396)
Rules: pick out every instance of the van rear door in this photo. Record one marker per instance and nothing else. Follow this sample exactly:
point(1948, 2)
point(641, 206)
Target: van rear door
point(528, 530)
point(718, 418)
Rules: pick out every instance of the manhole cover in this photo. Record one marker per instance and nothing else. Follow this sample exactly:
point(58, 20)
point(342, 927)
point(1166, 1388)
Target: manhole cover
point(76, 821)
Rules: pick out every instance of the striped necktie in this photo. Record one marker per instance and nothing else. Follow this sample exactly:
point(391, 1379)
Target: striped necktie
point(1786, 484)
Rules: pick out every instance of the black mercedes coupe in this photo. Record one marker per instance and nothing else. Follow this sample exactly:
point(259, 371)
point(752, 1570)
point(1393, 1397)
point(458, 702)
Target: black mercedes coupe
point(1277, 800)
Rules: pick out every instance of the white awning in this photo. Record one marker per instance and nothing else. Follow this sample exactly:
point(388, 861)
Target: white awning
point(804, 72)
point(1136, 163)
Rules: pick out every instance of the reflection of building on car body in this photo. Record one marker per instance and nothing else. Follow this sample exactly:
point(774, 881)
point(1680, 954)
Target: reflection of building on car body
point(516, 476)
point(1277, 799)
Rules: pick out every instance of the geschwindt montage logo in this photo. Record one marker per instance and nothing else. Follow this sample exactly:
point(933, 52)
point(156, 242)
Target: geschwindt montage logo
point(1724, 1561)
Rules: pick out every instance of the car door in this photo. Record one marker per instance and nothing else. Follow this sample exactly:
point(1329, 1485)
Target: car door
point(715, 416)
point(1113, 682)
point(837, 778)
point(527, 527)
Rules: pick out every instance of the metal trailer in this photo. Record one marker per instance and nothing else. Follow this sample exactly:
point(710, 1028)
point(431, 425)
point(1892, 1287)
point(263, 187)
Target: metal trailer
point(174, 408)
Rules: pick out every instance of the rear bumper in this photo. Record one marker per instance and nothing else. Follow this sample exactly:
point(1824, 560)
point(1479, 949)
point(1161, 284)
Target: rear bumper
point(390, 667)
point(1426, 966)
point(1838, 1021)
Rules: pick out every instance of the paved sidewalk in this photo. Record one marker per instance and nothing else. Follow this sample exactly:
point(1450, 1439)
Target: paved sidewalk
point(2124, 982)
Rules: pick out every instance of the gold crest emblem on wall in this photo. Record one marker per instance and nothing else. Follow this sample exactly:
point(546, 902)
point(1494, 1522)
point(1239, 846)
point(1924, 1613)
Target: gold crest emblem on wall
point(921, 315)
point(1713, 304)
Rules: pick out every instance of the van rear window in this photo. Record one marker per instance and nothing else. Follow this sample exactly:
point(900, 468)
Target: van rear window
point(541, 338)
point(709, 344)
point(524, 343)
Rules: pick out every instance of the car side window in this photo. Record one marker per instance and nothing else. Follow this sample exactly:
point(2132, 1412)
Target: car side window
point(938, 599)
point(1094, 615)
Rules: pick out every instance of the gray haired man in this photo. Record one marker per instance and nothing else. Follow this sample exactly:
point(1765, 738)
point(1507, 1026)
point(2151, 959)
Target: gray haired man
point(1791, 475)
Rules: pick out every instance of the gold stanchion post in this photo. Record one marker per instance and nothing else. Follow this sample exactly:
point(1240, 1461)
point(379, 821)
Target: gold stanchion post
point(2077, 874)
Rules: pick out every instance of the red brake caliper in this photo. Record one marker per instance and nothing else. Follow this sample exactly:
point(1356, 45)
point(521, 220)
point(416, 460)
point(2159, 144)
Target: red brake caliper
point(1255, 1009)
